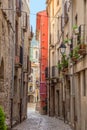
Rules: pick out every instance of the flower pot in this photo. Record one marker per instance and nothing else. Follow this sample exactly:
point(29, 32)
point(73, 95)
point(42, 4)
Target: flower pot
point(76, 31)
point(74, 59)
point(82, 51)
point(65, 69)
point(82, 46)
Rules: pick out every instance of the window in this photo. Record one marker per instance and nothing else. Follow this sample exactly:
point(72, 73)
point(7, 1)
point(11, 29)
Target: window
point(53, 59)
point(18, 7)
point(84, 83)
point(31, 88)
point(24, 21)
point(53, 8)
point(36, 55)
point(66, 13)
point(57, 2)
point(16, 41)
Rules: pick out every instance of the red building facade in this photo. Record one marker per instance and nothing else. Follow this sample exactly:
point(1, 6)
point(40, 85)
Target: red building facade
point(42, 36)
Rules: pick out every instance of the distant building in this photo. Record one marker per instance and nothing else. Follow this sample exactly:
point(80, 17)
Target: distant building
point(33, 85)
point(42, 37)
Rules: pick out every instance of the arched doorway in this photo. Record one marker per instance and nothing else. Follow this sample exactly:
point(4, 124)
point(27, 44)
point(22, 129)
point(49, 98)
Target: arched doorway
point(2, 83)
point(30, 98)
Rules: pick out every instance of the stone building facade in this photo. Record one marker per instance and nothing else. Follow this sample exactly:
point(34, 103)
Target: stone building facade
point(69, 48)
point(14, 59)
point(33, 84)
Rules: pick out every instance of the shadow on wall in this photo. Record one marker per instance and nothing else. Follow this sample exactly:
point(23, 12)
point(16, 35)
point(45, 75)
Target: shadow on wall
point(1, 82)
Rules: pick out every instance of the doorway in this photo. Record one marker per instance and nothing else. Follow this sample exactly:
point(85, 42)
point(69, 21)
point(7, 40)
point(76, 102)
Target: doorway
point(58, 102)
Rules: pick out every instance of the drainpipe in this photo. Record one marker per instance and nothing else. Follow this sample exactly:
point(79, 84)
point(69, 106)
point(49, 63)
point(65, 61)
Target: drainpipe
point(22, 77)
point(72, 79)
point(64, 100)
point(49, 80)
point(13, 68)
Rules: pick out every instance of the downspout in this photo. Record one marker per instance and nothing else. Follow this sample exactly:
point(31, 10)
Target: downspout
point(13, 67)
point(64, 115)
point(72, 78)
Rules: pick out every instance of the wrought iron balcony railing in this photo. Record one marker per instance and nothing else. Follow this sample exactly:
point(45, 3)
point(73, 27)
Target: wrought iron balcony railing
point(46, 72)
point(54, 72)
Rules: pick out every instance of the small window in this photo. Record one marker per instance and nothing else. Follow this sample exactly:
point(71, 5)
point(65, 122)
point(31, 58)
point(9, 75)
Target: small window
point(57, 2)
point(36, 55)
point(84, 83)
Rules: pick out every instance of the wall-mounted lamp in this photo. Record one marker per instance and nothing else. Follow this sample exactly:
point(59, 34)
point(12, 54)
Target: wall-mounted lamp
point(62, 48)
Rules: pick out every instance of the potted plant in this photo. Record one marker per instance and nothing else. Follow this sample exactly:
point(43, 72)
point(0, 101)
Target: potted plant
point(82, 49)
point(59, 66)
point(67, 41)
point(75, 29)
point(64, 63)
point(71, 54)
point(2, 120)
point(75, 54)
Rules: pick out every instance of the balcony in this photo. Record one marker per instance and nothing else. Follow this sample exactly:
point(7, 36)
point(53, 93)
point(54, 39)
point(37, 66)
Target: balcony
point(54, 71)
point(18, 7)
point(26, 64)
point(46, 73)
point(19, 58)
point(24, 22)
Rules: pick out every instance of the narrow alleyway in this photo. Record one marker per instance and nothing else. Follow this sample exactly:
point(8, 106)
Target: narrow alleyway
point(35, 121)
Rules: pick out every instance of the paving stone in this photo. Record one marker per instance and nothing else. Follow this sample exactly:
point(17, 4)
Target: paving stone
point(36, 121)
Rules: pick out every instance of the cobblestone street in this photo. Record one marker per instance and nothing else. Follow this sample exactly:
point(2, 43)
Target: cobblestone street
point(36, 121)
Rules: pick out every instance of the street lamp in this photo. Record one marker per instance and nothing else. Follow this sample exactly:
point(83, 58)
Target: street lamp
point(62, 48)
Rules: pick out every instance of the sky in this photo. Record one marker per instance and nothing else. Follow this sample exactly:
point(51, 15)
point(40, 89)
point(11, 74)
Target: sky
point(36, 6)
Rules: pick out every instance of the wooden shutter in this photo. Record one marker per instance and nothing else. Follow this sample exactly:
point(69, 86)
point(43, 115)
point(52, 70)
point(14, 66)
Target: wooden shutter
point(25, 21)
point(65, 13)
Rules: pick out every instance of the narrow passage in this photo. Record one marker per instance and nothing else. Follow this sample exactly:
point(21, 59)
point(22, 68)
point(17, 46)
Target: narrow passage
point(35, 121)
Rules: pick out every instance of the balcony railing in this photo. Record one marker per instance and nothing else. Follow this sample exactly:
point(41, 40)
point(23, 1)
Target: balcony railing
point(54, 73)
point(46, 73)
point(81, 38)
point(24, 21)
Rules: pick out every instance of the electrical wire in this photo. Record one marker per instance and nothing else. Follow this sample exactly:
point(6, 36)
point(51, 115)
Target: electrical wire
point(44, 15)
